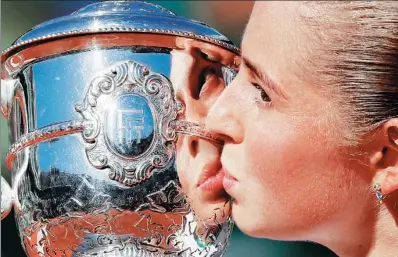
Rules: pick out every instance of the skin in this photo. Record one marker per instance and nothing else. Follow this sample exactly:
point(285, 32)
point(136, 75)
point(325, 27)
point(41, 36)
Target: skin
point(198, 87)
point(292, 178)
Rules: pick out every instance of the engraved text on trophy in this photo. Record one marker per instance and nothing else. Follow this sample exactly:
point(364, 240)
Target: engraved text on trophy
point(129, 126)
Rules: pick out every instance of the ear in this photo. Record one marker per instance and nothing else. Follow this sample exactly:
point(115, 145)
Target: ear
point(384, 156)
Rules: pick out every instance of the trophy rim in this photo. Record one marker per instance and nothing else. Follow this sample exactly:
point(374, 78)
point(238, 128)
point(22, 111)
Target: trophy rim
point(88, 20)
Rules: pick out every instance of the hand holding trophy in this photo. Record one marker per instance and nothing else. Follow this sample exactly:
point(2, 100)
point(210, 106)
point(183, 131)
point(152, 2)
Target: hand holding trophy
point(109, 154)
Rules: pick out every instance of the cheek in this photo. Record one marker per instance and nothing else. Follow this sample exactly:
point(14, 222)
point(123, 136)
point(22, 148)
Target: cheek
point(273, 148)
point(292, 167)
point(182, 164)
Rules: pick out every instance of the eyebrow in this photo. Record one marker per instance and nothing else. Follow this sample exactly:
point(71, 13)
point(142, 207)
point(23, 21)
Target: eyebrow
point(263, 77)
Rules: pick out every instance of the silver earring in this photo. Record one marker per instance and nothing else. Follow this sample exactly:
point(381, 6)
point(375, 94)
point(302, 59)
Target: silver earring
point(379, 195)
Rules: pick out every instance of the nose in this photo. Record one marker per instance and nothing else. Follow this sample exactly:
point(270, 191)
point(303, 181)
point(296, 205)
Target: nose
point(224, 117)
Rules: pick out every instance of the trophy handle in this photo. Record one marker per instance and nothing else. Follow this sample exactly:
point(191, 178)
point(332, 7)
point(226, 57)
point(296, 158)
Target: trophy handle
point(6, 198)
point(12, 89)
point(7, 94)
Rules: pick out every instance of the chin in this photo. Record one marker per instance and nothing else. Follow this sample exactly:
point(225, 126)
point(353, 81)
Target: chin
point(258, 226)
point(252, 231)
point(247, 223)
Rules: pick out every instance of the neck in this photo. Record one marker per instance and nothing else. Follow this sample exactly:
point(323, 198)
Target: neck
point(373, 233)
point(386, 235)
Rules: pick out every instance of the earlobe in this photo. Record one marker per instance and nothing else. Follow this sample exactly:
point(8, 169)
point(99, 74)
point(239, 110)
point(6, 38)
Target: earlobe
point(388, 180)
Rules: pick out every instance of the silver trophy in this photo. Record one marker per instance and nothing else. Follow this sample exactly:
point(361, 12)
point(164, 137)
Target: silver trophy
point(109, 155)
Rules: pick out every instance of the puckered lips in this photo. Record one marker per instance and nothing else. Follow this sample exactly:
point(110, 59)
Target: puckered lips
point(211, 181)
point(229, 181)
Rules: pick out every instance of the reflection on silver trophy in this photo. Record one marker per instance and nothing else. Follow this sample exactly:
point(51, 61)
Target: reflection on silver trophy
point(109, 155)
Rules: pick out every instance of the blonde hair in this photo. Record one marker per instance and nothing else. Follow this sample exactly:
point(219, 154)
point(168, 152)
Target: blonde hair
point(358, 59)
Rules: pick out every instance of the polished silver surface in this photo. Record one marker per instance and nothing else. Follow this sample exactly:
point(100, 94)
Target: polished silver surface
point(121, 16)
point(6, 198)
point(109, 153)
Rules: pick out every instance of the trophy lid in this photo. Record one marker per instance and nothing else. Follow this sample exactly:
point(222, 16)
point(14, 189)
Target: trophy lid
point(119, 16)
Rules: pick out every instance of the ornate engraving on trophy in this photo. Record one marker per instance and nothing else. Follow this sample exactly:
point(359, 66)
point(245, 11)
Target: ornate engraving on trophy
point(169, 199)
point(128, 111)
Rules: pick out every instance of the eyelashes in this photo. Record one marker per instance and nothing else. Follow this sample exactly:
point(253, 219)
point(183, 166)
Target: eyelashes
point(263, 95)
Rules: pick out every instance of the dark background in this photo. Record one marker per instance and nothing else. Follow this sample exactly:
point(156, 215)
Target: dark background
point(229, 17)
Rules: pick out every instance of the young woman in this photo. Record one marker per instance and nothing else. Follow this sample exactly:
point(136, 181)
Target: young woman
point(310, 125)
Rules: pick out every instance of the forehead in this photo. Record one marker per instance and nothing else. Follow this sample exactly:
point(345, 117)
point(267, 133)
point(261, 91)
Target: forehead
point(276, 38)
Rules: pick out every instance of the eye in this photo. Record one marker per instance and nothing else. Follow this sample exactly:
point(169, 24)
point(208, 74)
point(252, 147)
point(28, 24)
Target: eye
point(206, 75)
point(263, 94)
